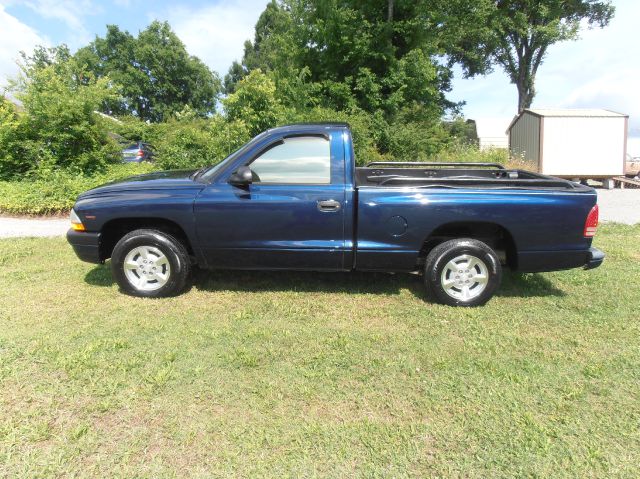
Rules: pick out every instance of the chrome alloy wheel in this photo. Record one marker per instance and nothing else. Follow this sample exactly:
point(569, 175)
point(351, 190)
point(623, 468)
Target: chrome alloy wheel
point(147, 268)
point(465, 277)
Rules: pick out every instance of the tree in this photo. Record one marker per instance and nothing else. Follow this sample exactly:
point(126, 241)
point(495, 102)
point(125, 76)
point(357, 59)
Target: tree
point(157, 75)
point(350, 54)
point(254, 103)
point(517, 34)
point(58, 127)
point(273, 50)
point(377, 60)
point(11, 149)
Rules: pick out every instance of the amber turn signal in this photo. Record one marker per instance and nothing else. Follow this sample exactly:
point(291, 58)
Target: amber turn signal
point(76, 223)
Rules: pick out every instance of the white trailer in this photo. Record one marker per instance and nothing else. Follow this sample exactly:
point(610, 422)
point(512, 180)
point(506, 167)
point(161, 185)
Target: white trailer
point(491, 132)
point(577, 144)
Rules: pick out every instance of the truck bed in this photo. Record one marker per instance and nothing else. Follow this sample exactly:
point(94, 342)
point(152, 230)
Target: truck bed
point(456, 175)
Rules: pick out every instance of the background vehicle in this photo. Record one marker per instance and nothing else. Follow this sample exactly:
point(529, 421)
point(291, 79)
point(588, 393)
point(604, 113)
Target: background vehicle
point(137, 152)
point(632, 166)
point(292, 198)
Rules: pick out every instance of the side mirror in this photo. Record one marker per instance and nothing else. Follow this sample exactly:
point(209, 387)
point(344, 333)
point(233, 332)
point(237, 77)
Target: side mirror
point(242, 177)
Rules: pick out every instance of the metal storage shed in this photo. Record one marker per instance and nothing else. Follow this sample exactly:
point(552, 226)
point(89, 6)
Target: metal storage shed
point(584, 144)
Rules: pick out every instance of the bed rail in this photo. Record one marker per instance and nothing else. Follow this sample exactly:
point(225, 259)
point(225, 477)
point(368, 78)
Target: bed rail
point(434, 163)
point(534, 182)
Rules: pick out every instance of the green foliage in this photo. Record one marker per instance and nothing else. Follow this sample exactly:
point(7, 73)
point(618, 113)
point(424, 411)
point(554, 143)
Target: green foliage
point(196, 143)
point(254, 103)
point(11, 147)
point(516, 34)
point(59, 127)
point(274, 48)
point(52, 192)
point(386, 58)
point(349, 59)
point(157, 75)
point(187, 141)
point(461, 152)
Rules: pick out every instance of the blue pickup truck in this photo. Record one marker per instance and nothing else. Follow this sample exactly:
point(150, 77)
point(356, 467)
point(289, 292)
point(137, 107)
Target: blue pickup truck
point(293, 199)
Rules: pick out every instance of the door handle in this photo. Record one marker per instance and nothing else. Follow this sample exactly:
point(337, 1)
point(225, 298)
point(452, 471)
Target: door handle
point(329, 205)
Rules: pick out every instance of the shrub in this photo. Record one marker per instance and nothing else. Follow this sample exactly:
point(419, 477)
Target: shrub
point(59, 127)
point(11, 154)
point(254, 103)
point(56, 191)
point(466, 152)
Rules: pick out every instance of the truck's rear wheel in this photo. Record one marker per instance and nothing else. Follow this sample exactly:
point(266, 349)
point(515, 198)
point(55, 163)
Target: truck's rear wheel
point(151, 264)
point(462, 272)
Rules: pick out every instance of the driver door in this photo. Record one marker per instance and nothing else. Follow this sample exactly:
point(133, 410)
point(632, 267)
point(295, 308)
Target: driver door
point(289, 217)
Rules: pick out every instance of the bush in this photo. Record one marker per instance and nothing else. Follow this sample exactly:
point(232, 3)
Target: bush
point(56, 191)
point(11, 154)
point(255, 104)
point(59, 127)
point(468, 153)
point(196, 143)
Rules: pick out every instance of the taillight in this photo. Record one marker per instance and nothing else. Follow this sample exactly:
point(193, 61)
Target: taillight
point(140, 154)
point(591, 224)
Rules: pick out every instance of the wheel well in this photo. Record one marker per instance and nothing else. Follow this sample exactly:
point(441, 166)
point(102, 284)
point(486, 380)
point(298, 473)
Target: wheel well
point(114, 230)
point(494, 235)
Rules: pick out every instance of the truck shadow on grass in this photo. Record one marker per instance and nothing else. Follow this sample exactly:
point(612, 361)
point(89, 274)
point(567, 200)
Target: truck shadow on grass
point(513, 284)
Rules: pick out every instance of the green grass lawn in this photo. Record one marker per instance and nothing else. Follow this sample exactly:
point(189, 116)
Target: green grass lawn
point(309, 375)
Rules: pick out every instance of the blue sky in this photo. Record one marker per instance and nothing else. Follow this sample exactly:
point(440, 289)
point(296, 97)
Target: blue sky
point(602, 70)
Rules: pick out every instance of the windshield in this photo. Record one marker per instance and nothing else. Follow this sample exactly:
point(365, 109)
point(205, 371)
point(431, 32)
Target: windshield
point(209, 173)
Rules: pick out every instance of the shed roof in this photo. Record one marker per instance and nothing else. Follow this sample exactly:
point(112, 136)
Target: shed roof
point(575, 112)
point(567, 113)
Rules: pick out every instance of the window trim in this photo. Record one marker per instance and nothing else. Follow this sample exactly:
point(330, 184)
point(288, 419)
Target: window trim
point(281, 141)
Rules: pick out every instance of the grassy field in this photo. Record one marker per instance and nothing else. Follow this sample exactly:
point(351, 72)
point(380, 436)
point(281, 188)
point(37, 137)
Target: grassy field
point(309, 375)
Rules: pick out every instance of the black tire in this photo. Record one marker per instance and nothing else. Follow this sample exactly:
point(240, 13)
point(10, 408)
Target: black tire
point(438, 262)
point(178, 275)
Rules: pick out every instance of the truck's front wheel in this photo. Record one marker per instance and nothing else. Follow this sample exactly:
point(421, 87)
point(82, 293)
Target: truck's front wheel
point(151, 264)
point(462, 272)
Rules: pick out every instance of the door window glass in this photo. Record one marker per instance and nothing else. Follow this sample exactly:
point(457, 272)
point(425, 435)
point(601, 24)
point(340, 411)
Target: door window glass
point(304, 160)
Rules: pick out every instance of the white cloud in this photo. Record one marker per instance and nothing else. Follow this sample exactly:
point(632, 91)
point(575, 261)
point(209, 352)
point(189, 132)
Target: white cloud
point(216, 33)
point(16, 37)
point(70, 12)
point(614, 91)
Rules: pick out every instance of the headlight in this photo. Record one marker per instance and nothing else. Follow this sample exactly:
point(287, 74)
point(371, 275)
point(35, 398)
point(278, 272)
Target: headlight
point(76, 223)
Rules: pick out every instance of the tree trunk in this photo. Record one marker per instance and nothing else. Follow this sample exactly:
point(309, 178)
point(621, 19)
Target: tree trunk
point(390, 11)
point(525, 98)
point(522, 98)
point(526, 89)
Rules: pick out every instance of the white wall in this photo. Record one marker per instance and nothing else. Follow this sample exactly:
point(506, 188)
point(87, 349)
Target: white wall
point(583, 146)
point(487, 142)
point(492, 132)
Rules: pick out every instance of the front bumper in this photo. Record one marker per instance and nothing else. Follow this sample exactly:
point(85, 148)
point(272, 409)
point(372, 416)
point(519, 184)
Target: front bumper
point(595, 258)
point(86, 245)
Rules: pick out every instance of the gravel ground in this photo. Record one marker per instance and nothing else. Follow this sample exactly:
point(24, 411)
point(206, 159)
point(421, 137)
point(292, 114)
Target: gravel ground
point(13, 227)
point(620, 206)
